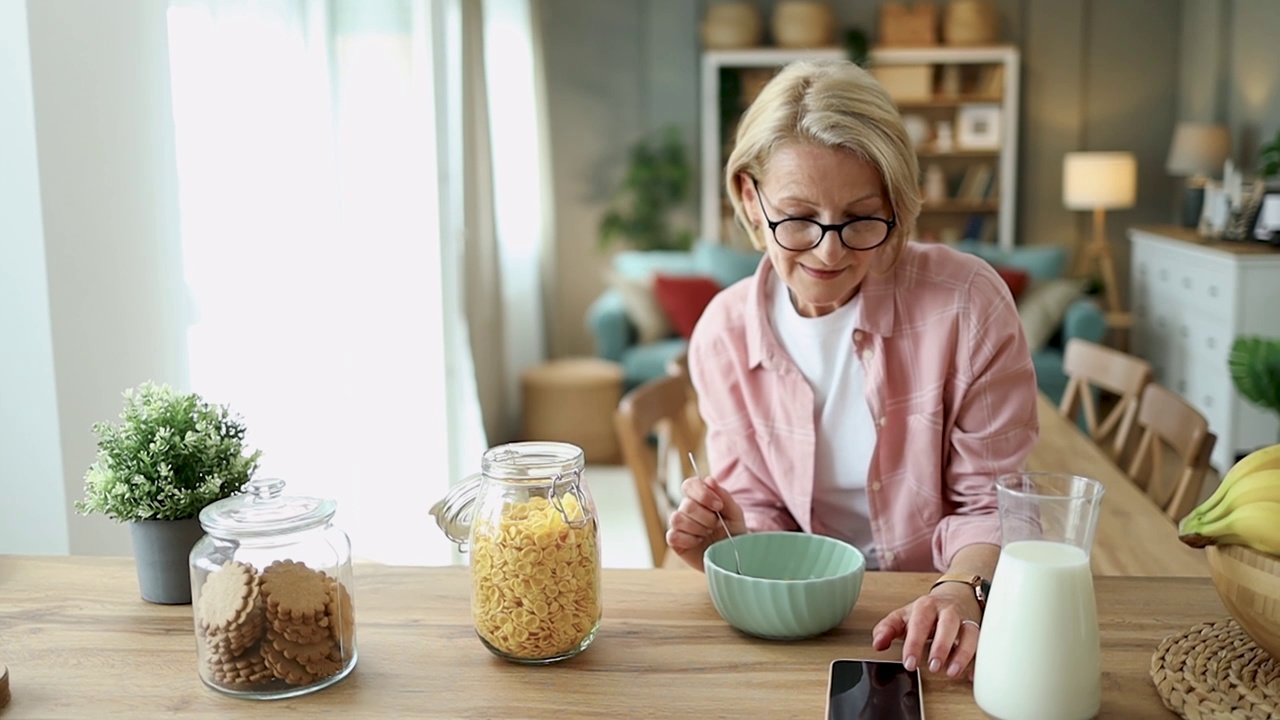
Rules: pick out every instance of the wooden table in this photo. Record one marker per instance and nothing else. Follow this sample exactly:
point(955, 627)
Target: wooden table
point(1134, 536)
point(80, 643)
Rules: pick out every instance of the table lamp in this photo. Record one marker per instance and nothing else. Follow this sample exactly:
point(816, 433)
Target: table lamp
point(1101, 181)
point(1197, 152)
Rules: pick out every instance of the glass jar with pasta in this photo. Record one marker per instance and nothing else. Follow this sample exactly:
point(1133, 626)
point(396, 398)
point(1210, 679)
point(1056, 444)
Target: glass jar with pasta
point(530, 526)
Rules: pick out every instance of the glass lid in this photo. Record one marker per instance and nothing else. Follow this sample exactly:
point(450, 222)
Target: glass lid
point(263, 510)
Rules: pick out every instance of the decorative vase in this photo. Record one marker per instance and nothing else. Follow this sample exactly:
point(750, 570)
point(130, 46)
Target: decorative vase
point(161, 550)
point(732, 25)
point(803, 24)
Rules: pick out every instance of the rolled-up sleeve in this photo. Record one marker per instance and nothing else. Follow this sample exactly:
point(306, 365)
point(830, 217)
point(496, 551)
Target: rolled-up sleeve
point(995, 423)
point(716, 369)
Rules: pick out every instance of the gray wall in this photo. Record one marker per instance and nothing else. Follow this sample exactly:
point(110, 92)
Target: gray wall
point(1097, 75)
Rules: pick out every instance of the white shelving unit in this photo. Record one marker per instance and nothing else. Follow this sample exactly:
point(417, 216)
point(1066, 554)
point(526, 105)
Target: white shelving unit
point(1004, 206)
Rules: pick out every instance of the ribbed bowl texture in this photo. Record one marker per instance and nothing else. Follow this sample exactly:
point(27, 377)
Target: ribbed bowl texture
point(793, 585)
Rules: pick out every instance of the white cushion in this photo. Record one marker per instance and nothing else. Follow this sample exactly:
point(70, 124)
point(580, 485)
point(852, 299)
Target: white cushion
point(1043, 305)
point(642, 307)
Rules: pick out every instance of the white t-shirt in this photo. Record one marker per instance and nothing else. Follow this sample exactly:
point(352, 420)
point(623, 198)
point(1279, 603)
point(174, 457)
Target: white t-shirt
point(822, 348)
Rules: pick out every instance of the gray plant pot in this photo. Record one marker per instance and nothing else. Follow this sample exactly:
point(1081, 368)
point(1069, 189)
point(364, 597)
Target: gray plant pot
point(162, 550)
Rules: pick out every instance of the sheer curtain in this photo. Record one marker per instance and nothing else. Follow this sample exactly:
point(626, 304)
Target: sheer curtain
point(321, 240)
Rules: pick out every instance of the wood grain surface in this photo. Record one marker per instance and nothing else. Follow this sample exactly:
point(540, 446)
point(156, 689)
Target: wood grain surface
point(81, 643)
point(1134, 536)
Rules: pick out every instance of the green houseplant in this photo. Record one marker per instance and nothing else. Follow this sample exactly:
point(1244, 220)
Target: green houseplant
point(1269, 158)
point(657, 183)
point(1255, 370)
point(170, 455)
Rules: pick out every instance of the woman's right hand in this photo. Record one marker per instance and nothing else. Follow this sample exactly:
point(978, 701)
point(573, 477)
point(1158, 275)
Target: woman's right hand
point(694, 526)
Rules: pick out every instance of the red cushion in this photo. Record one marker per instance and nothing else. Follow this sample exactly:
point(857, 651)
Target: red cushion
point(683, 298)
point(1016, 279)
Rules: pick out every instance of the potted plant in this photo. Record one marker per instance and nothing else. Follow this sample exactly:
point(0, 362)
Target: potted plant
point(170, 455)
point(1269, 158)
point(1255, 370)
point(657, 183)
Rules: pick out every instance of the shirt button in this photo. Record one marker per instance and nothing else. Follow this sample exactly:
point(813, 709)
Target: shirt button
point(868, 354)
point(888, 555)
point(857, 335)
point(880, 422)
point(876, 486)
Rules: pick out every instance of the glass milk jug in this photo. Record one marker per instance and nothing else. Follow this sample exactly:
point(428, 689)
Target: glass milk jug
point(1038, 653)
point(530, 525)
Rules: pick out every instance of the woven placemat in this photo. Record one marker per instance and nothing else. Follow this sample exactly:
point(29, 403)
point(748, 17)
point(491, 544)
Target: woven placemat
point(1213, 670)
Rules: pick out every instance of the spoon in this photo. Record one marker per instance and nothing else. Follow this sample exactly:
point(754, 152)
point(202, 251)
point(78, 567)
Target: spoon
point(737, 561)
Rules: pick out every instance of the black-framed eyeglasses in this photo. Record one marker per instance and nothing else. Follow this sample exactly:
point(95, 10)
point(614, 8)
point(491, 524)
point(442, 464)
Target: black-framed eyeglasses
point(800, 234)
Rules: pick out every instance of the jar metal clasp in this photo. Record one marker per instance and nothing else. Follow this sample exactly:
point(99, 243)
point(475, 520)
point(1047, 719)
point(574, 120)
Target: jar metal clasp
point(454, 513)
point(574, 481)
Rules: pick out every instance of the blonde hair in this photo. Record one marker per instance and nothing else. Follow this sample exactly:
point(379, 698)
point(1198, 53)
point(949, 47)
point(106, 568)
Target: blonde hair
point(836, 104)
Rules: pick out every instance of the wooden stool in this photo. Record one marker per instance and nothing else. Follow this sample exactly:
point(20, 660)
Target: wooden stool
point(573, 400)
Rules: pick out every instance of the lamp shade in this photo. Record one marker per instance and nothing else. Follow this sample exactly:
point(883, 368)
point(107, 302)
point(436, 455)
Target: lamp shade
point(1198, 149)
point(1099, 180)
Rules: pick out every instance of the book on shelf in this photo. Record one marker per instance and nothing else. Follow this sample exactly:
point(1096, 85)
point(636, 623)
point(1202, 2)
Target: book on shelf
point(977, 183)
point(981, 227)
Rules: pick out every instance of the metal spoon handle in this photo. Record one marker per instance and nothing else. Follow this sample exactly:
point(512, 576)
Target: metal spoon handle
point(737, 561)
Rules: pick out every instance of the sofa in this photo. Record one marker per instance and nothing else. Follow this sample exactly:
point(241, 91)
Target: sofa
point(615, 319)
point(1053, 307)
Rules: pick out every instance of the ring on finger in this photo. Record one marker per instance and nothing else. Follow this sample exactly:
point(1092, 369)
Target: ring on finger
point(974, 623)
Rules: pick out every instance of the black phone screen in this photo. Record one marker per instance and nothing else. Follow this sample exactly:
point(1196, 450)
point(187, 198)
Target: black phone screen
point(873, 690)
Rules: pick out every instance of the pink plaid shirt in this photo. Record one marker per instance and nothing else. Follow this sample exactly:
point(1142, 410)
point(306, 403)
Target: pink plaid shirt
point(949, 383)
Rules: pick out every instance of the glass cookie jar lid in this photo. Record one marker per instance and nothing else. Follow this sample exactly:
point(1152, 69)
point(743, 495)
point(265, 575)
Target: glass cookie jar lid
point(262, 511)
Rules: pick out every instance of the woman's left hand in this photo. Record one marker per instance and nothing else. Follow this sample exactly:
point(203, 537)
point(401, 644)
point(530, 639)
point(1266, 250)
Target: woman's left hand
point(940, 630)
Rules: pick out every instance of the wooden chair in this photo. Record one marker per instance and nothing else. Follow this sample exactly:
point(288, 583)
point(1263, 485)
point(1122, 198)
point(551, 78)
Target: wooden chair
point(1170, 423)
point(1089, 366)
point(658, 408)
point(679, 367)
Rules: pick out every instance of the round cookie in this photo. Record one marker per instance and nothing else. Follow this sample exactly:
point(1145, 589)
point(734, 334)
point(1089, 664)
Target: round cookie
point(294, 592)
point(227, 596)
point(302, 652)
point(248, 670)
point(341, 614)
point(290, 671)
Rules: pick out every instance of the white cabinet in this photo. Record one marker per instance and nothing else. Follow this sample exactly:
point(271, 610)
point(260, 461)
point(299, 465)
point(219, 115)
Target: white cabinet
point(956, 83)
point(1190, 299)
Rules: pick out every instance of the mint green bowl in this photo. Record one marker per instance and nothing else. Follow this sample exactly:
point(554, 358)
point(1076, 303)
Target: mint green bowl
point(793, 585)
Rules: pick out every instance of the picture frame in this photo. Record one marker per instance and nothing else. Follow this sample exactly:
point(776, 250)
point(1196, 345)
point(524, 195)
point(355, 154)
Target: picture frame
point(1266, 222)
point(1214, 211)
point(978, 127)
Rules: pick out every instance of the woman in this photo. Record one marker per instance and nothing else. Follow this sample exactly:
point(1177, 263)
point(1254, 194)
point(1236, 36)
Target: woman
point(858, 385)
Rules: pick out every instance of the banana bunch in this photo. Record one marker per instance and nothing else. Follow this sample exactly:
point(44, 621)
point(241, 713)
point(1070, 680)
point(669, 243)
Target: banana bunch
point(1244, 510)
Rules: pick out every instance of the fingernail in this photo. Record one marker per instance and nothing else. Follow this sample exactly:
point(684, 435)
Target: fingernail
point(954, 670)
point(909, 663)
point(934, 664)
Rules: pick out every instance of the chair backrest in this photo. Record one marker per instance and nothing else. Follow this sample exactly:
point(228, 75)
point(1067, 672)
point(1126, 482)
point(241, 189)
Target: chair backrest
point(659, 409)
point(679, 367)
point(1088, 366)
point(1168, 422)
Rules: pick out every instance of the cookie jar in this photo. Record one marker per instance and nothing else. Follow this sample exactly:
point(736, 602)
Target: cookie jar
point(272, 594)
point(531, 529)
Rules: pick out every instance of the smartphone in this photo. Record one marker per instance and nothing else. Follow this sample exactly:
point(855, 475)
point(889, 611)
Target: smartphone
point(874, 690)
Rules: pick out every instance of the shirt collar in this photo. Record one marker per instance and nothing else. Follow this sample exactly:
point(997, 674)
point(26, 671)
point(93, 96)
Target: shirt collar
point(877, 315)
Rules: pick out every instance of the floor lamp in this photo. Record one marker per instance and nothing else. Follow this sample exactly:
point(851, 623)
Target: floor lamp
point(1101, 181)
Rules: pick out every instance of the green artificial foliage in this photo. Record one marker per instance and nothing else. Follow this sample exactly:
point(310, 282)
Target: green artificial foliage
point(856, 47)
point(657, 183)
point(1269, 157)
point(170, 455)
point(1255, 370)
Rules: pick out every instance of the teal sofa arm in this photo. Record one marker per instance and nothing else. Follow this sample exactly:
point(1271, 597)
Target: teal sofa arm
point(1085, 320)
point(608, 324)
